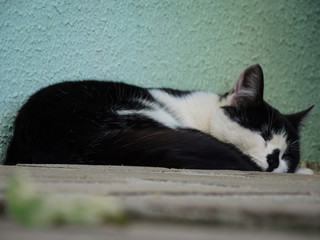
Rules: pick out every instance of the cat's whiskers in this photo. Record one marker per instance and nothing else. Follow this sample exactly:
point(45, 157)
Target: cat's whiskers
point(296, 142)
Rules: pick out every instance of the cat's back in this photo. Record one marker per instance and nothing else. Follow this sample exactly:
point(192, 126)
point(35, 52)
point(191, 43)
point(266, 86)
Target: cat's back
point(84, 93)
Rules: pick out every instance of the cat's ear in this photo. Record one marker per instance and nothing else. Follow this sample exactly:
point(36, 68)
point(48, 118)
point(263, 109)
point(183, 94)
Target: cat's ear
point(248, 90)
point(296, 118)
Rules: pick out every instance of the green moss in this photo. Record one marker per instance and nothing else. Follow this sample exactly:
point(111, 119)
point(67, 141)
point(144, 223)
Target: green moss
point(32, 208)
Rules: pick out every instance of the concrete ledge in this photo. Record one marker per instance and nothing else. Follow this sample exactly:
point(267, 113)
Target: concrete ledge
point(216, 198)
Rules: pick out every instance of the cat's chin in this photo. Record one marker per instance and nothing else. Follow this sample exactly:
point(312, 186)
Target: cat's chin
point(305, 171)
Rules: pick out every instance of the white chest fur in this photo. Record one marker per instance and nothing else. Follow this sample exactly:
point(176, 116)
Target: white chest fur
point(193, 110)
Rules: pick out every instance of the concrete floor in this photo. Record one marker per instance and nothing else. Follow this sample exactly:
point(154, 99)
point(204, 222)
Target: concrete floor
point(179, 204)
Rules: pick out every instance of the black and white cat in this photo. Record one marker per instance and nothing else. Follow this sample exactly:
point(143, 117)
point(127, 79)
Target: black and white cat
point(92, 122)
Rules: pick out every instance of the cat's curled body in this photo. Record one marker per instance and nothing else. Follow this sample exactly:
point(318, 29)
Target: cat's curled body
point(107, 123)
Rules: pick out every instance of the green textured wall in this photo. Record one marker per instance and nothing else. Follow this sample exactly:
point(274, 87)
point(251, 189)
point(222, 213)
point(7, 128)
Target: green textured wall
point(183, 44)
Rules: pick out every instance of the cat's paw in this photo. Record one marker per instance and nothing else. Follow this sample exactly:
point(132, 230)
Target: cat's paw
point(306, 171)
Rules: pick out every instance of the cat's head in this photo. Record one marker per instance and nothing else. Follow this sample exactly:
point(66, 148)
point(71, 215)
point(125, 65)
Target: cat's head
point(270, 138)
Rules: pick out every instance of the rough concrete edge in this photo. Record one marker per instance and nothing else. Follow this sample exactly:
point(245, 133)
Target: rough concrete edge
point(315, 166)
point(232, 219)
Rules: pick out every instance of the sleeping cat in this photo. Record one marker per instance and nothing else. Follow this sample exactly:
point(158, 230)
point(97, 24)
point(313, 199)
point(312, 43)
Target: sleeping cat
point(108, 123)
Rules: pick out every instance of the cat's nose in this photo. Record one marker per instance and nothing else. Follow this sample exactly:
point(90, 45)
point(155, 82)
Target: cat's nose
point(273, 160)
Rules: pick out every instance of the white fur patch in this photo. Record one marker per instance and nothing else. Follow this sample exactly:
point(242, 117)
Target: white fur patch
point(193, 110)
point(306, 171)
point(158, 114)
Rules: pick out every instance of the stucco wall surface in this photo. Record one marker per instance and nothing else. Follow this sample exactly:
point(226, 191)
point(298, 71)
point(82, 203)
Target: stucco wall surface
point(185, 44)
